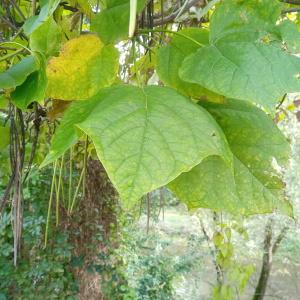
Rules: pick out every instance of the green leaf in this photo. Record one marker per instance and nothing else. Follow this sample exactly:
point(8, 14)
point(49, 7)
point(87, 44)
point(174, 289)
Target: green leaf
point(34, 22)
point(47, 38)
point(170, 58)
point(241, 61)
point(244, 70)
point(261, 19)
point(83, 67)
point(256, 186)
point(144, 137)
point(18, 73)
point(234, 16)
point(111, 24)
point(290, 35)
point(33, 89)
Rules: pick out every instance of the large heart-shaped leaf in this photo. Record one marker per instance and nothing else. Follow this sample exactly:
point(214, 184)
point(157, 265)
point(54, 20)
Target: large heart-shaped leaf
point(83, 67)
point(258, 147)
point(144, 137)
point(18, 73)
point(251, 71)
point(170, 58)
point(241, 61)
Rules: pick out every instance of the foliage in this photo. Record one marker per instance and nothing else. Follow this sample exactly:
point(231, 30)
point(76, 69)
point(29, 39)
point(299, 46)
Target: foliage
point(224, 60)
point(180, 101)
point(41, 272)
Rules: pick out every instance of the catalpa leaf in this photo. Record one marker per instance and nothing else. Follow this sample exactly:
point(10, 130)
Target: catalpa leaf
point(241, 62)
point(18, 73)
point(170, 58)
point(259, 148)
point(144, 137)
point(261, 19)
point(46, 38)
point(244, 70)
point(111, 24)
point(256, 16)
point(34, 22)
point(83, 67)
point(33, 89)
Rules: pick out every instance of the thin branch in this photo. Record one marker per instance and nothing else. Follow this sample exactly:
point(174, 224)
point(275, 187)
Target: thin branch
point(169, 18)
point(18, 9)
point(295, 2)
point(290, 10)
point(280, 237)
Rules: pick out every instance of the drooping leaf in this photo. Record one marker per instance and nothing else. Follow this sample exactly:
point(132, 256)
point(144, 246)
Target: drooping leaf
point(83, 67)
point(258, 148)
point(144, 137)
point(46, 38)
point(170, 58)
point(32, 23)
point(33, 89)
point(18, 73)
point(111, 24)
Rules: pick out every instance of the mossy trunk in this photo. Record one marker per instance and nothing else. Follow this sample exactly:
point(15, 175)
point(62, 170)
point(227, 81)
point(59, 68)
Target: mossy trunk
point(92, 228)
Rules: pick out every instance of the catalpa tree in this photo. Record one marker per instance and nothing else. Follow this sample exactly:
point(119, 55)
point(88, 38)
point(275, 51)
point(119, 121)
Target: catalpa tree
point(205, 128)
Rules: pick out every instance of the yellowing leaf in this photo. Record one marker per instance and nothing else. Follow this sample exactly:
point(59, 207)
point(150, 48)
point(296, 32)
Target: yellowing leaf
point(84, 66)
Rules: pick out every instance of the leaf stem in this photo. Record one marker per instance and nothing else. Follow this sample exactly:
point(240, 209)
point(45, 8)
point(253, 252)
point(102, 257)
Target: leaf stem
point(58, 189)
point(76, 192)
point(50, 204)
point(171, 32)
point(7, 56)
point(70, 179)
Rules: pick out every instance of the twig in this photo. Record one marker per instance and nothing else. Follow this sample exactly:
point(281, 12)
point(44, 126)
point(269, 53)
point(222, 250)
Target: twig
point(169, 18)
point(295, 2)
point(290, 10)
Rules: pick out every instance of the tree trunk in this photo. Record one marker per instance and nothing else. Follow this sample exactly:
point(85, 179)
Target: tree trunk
point(266, 264)
point(96, 215)
point(269, 251)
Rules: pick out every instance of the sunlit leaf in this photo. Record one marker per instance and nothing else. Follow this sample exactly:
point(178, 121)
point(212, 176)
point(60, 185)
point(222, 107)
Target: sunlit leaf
point(83, 67)
point(144, 137)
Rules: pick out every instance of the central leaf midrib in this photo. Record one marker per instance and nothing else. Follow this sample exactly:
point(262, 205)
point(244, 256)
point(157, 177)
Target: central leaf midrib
point(142, 144)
